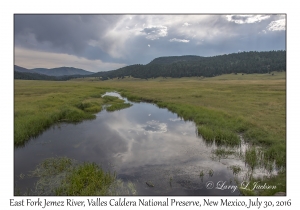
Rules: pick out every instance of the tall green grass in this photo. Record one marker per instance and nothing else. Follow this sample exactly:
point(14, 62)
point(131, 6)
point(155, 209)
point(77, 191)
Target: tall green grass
point(85, 180)
point(115, 107)
point(91, 107)
point(219, 136)
point(251, 158)
point(116, 103)
point(226, 137)
point(222, 152)
point(65, 176)
point(207, 133)
point(235, 169)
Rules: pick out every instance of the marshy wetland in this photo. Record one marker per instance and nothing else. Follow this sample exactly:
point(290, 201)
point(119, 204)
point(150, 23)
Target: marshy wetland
point(158, 137)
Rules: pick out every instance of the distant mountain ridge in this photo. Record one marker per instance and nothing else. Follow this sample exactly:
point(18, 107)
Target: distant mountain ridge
point(32, 76)
point(60, 71)
point(21, 69)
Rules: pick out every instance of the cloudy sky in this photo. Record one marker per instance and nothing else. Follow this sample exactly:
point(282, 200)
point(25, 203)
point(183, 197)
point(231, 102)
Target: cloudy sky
point(107, 42)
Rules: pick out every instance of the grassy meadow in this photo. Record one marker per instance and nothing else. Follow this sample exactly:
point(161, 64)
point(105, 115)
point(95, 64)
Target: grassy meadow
point(223, 107)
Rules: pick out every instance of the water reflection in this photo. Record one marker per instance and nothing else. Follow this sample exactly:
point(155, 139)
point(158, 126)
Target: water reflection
point(141, 144)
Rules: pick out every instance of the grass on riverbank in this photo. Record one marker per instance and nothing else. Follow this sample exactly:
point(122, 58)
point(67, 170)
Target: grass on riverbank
point(115, 103)
point(86, 179)
point(219, 136)
point(222, 153)
point(64, 176)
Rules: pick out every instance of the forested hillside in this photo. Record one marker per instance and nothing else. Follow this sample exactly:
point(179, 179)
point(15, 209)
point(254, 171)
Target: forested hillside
point(36, 76)
point(188, 66)
point(61, 71)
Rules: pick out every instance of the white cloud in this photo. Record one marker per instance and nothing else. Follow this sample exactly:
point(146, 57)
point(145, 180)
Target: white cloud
point(155, 32)
point(195, 27)
point(179, 40)
point(35, 59)
point(242, 19)
point(277, 25)
point(149, 45)
point(186, 24)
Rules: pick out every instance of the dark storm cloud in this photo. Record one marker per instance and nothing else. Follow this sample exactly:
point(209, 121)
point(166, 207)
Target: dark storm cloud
point(60, 33)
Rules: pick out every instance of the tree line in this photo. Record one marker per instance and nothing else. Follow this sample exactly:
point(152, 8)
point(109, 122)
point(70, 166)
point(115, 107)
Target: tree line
point(36, 76)
point(189, 66)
